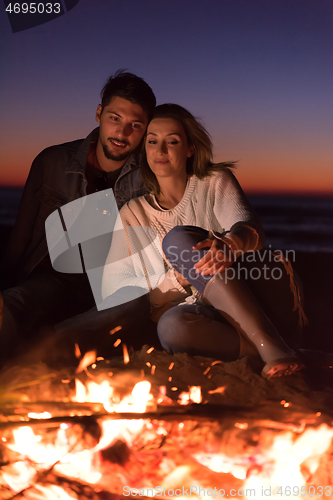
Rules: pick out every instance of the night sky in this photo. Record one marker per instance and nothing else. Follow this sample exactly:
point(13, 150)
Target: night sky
point(259, 74)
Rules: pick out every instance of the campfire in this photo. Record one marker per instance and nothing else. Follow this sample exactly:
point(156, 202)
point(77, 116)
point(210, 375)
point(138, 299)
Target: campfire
point(118, 431)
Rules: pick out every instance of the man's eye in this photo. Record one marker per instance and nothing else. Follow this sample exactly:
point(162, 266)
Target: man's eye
point(137, 126)
point(114, 118)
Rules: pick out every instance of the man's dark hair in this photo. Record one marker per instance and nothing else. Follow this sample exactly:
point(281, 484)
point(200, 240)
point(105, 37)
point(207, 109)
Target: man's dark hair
point(130, 87)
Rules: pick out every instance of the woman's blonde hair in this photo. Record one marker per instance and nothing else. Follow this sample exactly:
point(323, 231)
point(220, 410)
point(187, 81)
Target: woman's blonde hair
point(200, 163)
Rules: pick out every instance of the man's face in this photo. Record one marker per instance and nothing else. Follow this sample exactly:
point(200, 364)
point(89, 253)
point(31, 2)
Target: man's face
point(122, 126)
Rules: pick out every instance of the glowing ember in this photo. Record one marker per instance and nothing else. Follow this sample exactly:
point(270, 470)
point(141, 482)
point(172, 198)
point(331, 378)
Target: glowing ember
point(93, 393)
point(51, 492)
point(125, 354)
point(115, 330)
point(77, 351)
point(43, 415)
point(80, 466)
point(88, 359)
point(31, 445)
point(194, 396)
point(136, 402)
point(19, 475)
point(219, 390)
point(285, 458)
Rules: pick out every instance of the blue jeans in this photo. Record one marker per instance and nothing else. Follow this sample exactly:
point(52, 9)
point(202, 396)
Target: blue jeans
point(201, 329)
point(44, 298)
point(177, 247)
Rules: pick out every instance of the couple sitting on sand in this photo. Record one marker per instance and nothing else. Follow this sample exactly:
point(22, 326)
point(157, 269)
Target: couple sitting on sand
point(205, 228)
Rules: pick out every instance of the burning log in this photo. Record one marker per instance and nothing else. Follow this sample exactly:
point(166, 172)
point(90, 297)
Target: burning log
point(275, 417)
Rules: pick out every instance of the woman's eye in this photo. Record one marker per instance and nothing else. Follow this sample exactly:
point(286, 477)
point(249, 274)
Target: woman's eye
point(151, 141)
point(173, 142)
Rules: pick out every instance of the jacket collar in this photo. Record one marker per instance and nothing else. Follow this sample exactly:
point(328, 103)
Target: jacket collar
point(77, 163)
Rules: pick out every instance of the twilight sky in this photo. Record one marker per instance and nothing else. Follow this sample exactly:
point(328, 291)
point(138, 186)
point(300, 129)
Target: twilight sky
point(259, 74)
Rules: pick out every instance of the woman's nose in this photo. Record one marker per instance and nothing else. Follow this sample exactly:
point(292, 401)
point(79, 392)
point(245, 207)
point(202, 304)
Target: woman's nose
point(162, 148)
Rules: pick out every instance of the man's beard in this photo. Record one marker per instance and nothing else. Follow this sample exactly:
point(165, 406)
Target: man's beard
point(116, 156)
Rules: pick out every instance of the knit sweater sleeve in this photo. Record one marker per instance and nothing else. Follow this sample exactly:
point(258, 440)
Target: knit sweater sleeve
point(134, 259)
point(242, 228)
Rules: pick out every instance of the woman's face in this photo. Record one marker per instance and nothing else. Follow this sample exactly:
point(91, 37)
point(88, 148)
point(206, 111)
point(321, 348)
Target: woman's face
point(167, 148)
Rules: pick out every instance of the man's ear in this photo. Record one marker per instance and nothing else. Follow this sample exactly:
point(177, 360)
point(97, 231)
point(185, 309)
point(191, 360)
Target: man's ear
point(98, 113)
point(190, 152)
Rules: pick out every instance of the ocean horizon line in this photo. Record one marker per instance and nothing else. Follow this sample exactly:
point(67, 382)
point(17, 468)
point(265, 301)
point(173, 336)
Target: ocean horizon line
point(250, 193)
point(299, 221)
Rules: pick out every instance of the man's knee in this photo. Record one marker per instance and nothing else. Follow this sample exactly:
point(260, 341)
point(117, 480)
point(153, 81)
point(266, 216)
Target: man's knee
point(174, 329)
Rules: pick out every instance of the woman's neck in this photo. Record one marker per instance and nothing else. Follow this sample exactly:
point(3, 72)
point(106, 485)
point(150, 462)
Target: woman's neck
point(172, 191)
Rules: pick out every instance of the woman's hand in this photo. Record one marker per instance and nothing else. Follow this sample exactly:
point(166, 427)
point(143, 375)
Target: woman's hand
point(216, 260)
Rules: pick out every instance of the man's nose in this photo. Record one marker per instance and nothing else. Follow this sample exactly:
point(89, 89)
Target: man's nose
point(124, 130)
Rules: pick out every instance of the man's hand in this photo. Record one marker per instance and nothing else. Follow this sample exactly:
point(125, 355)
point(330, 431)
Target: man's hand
point(217, 259)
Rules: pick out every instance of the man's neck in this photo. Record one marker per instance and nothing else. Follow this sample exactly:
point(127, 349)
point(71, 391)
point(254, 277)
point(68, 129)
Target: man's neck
point(106, 164)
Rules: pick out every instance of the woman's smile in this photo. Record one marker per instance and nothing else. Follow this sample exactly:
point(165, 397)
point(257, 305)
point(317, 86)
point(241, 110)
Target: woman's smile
point(161, 161)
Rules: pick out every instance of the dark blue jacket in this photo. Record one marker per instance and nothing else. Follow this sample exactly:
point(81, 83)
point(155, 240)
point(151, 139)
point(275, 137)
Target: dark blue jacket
point(57, 176)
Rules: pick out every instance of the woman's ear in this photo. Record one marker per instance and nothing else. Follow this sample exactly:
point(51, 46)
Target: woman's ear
point(190, 152)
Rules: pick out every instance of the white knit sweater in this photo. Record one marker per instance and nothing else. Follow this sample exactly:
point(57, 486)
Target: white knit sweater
point(215, 203)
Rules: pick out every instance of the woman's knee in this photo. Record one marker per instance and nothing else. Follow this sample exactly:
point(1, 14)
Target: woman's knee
point(180, 240)
point(178, 248)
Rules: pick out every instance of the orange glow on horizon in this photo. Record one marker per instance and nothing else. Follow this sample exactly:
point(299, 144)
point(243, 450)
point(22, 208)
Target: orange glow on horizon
point(265, 177)
point(283, 182)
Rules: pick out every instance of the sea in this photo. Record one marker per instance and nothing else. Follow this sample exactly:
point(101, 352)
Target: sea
point(300, 223)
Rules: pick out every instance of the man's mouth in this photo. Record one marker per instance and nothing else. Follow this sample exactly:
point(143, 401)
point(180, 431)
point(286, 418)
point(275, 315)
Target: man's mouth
point(118, 144)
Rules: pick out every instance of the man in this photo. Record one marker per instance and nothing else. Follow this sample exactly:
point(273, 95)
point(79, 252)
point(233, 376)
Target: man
point(107, 158)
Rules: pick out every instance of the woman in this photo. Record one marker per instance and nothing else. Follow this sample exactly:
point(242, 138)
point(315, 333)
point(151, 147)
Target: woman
point(204, 223)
